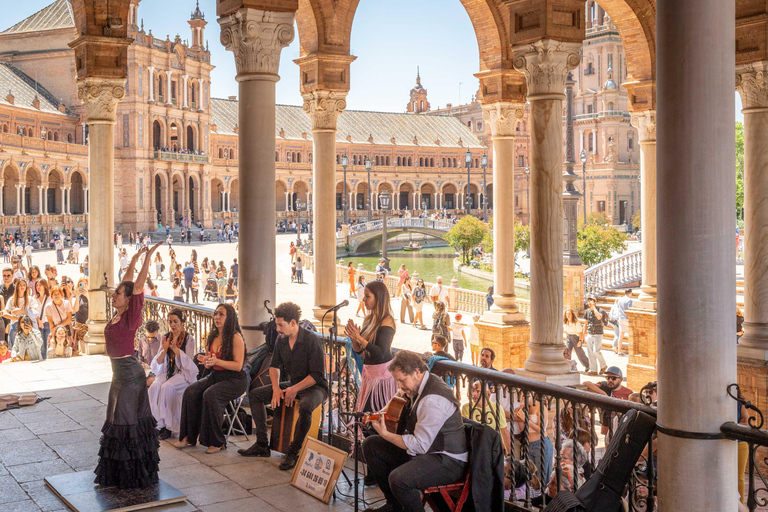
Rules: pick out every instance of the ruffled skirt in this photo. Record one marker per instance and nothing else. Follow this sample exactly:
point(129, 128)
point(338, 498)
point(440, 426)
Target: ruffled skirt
point(128, 456)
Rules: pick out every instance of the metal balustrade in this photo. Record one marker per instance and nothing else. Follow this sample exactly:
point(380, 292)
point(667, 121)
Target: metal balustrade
point(396, 222)
point(619, 271)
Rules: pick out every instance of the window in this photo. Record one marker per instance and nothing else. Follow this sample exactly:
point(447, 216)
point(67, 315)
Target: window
point(310, 158)
point(610, 105)
point(421, 105)
point(298, 158)
point(398, 161)
point(431, 162)
point(354, 159)
point(454, 162)
point(387, 161)
point(590, 143)
point(421, 161)
point(415, 107)
point(601, 206)
point(277, 156)
point(377, 159)
point(409, 162)
point(589, 109)
point(522, 161)
point(443, 161)
point(469, 124)
point(231, 154)
point(630, 144)
point(338, 159)
point(479, 126)
point(69, 136)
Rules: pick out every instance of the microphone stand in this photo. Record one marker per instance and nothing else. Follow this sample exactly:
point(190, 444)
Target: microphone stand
point(357, 459)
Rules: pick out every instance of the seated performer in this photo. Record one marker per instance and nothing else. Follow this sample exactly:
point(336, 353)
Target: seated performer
point(430, 448)
point(299, 352)
point(174, 370)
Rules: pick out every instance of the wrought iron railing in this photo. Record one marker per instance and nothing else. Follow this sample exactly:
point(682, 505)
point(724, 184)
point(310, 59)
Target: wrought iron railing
point(619, 271)
point(396, 222)
point(181, 157)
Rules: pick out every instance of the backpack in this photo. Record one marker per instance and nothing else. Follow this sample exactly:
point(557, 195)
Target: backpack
point(162, 267)
point(614, 316)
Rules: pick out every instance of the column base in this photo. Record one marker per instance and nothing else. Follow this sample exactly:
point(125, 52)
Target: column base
point(508, 340)
point(95, 342)
point(565, 379)
point(643, 331)
point(502, 317)
point(317, 317)
point(546, 359)
point(755, 336)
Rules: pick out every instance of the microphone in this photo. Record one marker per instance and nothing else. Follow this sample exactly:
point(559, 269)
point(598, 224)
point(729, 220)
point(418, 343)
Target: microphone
point(338, 306)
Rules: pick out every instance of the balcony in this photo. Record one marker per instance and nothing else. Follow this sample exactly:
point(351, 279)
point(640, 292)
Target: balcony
point(33, 143)
point(181, 157)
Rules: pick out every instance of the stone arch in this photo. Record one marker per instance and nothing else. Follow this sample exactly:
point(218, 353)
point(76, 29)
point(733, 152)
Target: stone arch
point(157, 134)
point(190, 138)
point(194, 196)
point(427, 192)
point(300, 191)
point(55, 182)
point(361, 195)
point(489, 192)
point(160, 191)
point(174, 136)
point(77, 185)
point(177, 196)
point(449, 194)
point(405, 196)
point(10, 180)
point(281, 200)
point(33, 183)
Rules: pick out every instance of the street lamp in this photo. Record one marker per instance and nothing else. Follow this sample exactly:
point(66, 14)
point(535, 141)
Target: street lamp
point(299, 205)
point(468, 161)
point(309, 213)
point(368, 165)
point(583, 157)
point(484, 162)
point(344, 164)
point(385, 206)
point(528, 193)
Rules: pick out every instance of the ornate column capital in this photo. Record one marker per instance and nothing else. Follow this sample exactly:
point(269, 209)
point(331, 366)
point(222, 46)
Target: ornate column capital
point(645, 122)
point(545, 64)
point(256, 38)
point(752, 85)
point(100, 97)
point(324, 107)
point(502, 117)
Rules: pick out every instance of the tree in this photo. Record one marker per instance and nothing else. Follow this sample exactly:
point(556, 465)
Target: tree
point(637, 220)
point(522, 237)
point(740, 173)
point(596, 243)
point(466, 234)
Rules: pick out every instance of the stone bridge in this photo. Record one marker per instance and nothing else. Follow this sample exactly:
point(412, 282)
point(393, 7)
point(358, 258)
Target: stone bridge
point(360, 235)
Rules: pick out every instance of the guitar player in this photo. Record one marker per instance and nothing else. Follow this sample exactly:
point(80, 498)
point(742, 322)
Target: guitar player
point(299, 352)
point(430, 448)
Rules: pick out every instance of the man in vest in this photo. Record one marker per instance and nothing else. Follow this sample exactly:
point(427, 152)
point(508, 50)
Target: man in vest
point(429, 448)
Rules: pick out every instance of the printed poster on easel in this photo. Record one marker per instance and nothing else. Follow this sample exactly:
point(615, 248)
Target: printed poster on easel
point(318, 469)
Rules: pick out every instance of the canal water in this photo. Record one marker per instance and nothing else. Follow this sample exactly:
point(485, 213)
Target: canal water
point(428, 268)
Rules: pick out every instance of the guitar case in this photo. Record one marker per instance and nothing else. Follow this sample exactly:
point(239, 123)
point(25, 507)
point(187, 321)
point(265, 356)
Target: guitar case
point(603, 491)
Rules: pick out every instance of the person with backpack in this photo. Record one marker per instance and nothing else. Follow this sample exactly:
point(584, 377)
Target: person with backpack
point(596, 318)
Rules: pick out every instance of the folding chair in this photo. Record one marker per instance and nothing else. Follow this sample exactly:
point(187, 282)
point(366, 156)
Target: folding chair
point(444, 490)
point(230, 413)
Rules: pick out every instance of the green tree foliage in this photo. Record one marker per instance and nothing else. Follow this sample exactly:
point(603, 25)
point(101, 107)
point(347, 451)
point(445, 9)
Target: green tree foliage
point(597, 242)
point(740, 173)
point(466, 234)
point(522, 237)
point(637, 220)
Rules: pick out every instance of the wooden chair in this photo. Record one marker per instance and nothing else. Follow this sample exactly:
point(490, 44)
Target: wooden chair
point(444, 491)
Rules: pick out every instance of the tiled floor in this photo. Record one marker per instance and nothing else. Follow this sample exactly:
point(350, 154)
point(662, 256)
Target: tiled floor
point(61, 435)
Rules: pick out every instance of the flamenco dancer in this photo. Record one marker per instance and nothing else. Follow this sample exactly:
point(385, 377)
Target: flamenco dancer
point(128, 456)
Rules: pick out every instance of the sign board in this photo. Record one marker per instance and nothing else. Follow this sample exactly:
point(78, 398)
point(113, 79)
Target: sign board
point(318, 469)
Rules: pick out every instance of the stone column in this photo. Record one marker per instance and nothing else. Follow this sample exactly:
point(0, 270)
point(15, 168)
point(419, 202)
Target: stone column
point(752, 84)
point(645, 122)
point(45, 200)
point(63, 191)
point(23, 195)
point(2, 197)
point(100, 96)
point(696, 269)
point(185, 78)
point(546, 64)
point(571, 196)
point(200, 87)
point(85, 196)
point(168, 99)
point(39, 200)
point(323, 108)
point(502, 118)
point(18, 201)
point(151, 70)
point(256, 38)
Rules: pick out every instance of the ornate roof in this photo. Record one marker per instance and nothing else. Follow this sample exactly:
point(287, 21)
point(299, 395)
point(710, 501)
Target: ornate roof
point(362, 126)
point(56, 16)
point(24, 90)
point(197, 14)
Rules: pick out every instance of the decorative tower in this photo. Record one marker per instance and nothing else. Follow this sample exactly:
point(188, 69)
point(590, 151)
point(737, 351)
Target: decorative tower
point(197, 23)
point(418, 102)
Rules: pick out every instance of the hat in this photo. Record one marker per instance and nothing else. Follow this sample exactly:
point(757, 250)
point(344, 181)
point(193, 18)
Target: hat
point(615, 370)
point(458, 316)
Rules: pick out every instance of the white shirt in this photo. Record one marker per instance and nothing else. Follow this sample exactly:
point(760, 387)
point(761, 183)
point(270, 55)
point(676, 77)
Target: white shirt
point(439, 291)
point(123, 263)
point(431, 413)
point(28, 249)
point(76, 247)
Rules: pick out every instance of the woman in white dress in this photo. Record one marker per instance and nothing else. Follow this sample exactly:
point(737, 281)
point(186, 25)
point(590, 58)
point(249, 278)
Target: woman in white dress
point(175, 370)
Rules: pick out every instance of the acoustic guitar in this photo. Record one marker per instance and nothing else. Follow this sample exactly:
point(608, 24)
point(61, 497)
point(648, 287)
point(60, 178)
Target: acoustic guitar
point(392, 413)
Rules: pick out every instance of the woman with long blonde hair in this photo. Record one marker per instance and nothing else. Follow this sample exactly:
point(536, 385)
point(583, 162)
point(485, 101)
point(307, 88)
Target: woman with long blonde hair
point(373, 341)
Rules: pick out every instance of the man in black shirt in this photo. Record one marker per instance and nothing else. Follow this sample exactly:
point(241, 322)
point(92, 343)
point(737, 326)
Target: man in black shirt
point(300, 354)
point(595, 318)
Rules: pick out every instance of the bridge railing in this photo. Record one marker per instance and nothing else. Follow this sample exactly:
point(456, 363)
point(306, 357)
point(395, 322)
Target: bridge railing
point(397, 222)
point(619, 271)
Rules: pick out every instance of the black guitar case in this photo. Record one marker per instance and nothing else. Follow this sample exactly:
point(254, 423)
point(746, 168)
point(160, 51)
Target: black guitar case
point(603, 491)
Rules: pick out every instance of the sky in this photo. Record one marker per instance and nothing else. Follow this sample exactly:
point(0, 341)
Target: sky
point(389, 38)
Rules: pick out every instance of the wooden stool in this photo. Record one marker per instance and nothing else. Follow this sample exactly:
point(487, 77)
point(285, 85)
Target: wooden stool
point(284, 423)
point(443, 490)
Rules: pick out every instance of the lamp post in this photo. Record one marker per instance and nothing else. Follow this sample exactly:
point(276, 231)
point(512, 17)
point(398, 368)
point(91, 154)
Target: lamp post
point(368, 165)
point(528, 194)
point(484, 162)
point(583, 157)
point(384, 204)
point(299, 204)
point(344, 164)
point(309, 213)
point(468, 201)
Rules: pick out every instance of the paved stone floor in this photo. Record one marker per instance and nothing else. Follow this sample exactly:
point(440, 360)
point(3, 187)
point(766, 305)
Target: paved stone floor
point(61, 435)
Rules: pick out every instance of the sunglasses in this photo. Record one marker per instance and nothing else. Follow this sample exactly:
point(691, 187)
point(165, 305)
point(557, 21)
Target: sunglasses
point(613, 378)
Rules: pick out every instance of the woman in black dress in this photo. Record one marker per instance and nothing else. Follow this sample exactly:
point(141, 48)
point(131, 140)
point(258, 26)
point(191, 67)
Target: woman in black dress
point(374, 343)
point(202, 408)
point(128, 455)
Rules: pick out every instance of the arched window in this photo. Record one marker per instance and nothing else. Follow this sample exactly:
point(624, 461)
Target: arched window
point(431, 162)
point(522, 161)
point(310, 158)
point(415, 107)
point(221, 153)
point(377, 159)
point(298, 158)
point(231, 154)
point(277, 156)
point(409, 162)
point(69, 137)
point(338, 159)
point(398, 161)
point(443, 161)
point(354, 159)
point(421, 105)
point(610, 105)
point(476, 163)
point(469, 124)
point(454, 162)
point(630, 144)
point(421, 161)
point(387, 161)
point(590, 143)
